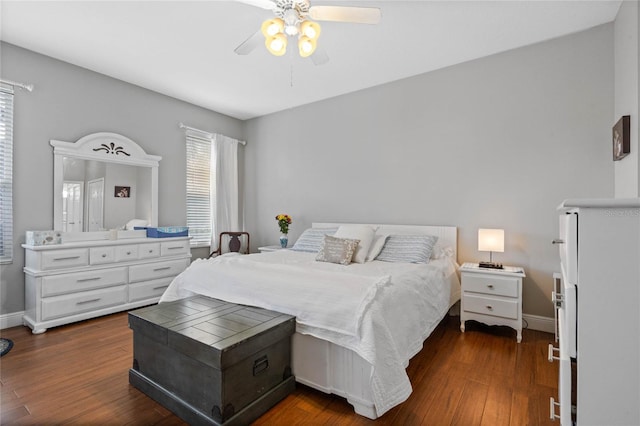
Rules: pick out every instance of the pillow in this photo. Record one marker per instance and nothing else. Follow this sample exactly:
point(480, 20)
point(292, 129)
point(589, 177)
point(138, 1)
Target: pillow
point(441, 252)
point(408, 248)
point(363, 233)
point(337, 250)
point(376, 246)
point(311, 239)
point(140, 223)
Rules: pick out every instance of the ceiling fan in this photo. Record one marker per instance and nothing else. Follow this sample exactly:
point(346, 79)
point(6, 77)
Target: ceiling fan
point(297, 18)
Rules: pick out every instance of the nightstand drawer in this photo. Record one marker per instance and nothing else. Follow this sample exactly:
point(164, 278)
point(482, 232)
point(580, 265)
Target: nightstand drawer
point(490, 306)
point(491, 284)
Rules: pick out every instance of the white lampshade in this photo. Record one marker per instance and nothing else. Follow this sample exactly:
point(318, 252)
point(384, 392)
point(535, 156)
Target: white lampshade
point(491, 240)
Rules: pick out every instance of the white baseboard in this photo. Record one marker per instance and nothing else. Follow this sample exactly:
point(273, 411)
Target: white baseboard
point(535, 322)
point(13, 319)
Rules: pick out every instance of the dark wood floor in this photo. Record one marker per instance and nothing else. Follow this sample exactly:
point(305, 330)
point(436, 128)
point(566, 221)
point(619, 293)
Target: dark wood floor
point(78, 374)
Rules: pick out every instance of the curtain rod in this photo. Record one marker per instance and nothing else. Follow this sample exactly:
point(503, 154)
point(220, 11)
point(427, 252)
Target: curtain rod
point(28, 87)
point(183, 126)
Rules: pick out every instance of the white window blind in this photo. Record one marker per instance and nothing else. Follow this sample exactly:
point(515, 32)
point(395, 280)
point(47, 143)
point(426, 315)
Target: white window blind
point(6, 173)
point(200, 189)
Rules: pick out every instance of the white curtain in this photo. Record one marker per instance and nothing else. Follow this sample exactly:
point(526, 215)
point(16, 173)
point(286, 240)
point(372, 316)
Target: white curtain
point(225, 197)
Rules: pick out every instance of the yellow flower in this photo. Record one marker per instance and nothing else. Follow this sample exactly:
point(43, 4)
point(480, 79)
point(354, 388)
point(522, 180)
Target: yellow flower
point(284, 220)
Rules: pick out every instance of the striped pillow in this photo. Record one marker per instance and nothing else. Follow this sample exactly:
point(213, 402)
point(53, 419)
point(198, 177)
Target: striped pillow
point(408, 248)
point(312, 238)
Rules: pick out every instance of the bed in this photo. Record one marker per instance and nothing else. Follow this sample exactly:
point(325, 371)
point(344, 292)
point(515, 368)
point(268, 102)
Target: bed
point(357, 325)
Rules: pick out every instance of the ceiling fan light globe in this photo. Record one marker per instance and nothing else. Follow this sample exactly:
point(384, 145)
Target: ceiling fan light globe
point(271, 27)
point(310, 29)
point(277, 45)
point(306, 46)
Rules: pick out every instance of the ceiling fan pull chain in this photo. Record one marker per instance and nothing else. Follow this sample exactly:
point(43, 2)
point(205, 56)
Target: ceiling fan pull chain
point(291, 75)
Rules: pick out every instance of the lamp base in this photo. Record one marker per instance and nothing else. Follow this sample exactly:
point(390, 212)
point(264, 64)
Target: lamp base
point(490, 265)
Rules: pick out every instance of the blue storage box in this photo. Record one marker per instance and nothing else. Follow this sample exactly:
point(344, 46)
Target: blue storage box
point(166, 231)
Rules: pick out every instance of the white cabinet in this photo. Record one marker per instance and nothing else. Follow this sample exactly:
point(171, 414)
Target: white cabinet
point(600, 318)
point(75, 281)
point(492, 296)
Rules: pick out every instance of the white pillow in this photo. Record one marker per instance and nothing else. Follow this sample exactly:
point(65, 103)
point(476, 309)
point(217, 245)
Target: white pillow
point(376, 246)
point(136, 222)
point(364, 233)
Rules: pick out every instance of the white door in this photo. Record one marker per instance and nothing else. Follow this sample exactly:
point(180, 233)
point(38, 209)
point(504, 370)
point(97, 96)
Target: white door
point(72, 206)
point(95, 205)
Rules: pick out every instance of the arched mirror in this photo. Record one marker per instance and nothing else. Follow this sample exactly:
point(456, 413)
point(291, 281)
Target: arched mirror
point(101, 182)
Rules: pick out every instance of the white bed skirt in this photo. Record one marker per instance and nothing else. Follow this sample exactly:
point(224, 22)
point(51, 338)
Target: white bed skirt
point(334, 369)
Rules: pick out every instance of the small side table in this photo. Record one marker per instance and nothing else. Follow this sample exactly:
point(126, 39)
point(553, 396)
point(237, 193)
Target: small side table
point(267, 249)
point(492, 296)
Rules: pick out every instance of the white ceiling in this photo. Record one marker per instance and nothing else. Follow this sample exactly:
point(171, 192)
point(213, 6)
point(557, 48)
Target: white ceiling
point(185, 49)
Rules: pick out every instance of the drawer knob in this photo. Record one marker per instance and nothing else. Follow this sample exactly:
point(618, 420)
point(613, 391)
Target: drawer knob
point(490, 286)
point(104, 255)
point(489, 308)
point(128, 253)
point(150, 251)
point(557, 241)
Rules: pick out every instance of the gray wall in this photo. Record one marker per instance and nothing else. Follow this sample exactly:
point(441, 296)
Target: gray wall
point(70, 102)
point(496, 142)
point(627, 92)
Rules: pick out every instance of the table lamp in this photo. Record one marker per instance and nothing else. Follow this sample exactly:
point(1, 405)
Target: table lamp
point(491, 240)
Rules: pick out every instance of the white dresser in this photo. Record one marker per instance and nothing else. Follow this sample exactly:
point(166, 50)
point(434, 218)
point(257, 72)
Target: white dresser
point(75, 281)
point(598, 303)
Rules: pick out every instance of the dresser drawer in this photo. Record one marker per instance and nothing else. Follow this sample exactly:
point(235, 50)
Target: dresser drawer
point(504, 308)
point(148, 289)
point(71, 304)
point(173, 248)
point(490, 284)
point(147, 251)
point(54, 285)
point(152, 271)
point(100, 255)
point(68, 258)
point(124, 253)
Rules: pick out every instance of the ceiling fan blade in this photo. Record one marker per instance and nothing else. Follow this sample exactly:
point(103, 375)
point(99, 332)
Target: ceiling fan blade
point(249, 44)
point(358, 15)
point(263, 4)
point(320, 56)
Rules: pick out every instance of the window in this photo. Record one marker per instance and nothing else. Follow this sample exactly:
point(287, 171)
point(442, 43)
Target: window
point(200, 182)
point(6, 173)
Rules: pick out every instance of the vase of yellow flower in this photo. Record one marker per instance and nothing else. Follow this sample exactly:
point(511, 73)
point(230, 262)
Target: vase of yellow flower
point(284, 220)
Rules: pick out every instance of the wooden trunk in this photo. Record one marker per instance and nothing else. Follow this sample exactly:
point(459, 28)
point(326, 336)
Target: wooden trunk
point(210, 361)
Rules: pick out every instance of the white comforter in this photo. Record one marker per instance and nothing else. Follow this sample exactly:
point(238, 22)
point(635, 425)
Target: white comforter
point(382, 311)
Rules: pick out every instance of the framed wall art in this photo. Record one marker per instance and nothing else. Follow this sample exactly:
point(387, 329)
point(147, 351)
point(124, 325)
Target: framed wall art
point(621, 138)
point(122, 192)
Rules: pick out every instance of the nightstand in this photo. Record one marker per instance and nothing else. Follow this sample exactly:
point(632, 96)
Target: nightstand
point(492, 296)
point(267, 249)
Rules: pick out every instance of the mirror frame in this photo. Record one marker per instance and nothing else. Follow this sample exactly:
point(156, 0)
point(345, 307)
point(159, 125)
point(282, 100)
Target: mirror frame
point(105, 147)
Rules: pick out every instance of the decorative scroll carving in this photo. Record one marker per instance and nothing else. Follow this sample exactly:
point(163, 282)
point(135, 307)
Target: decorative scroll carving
point(112, 149)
